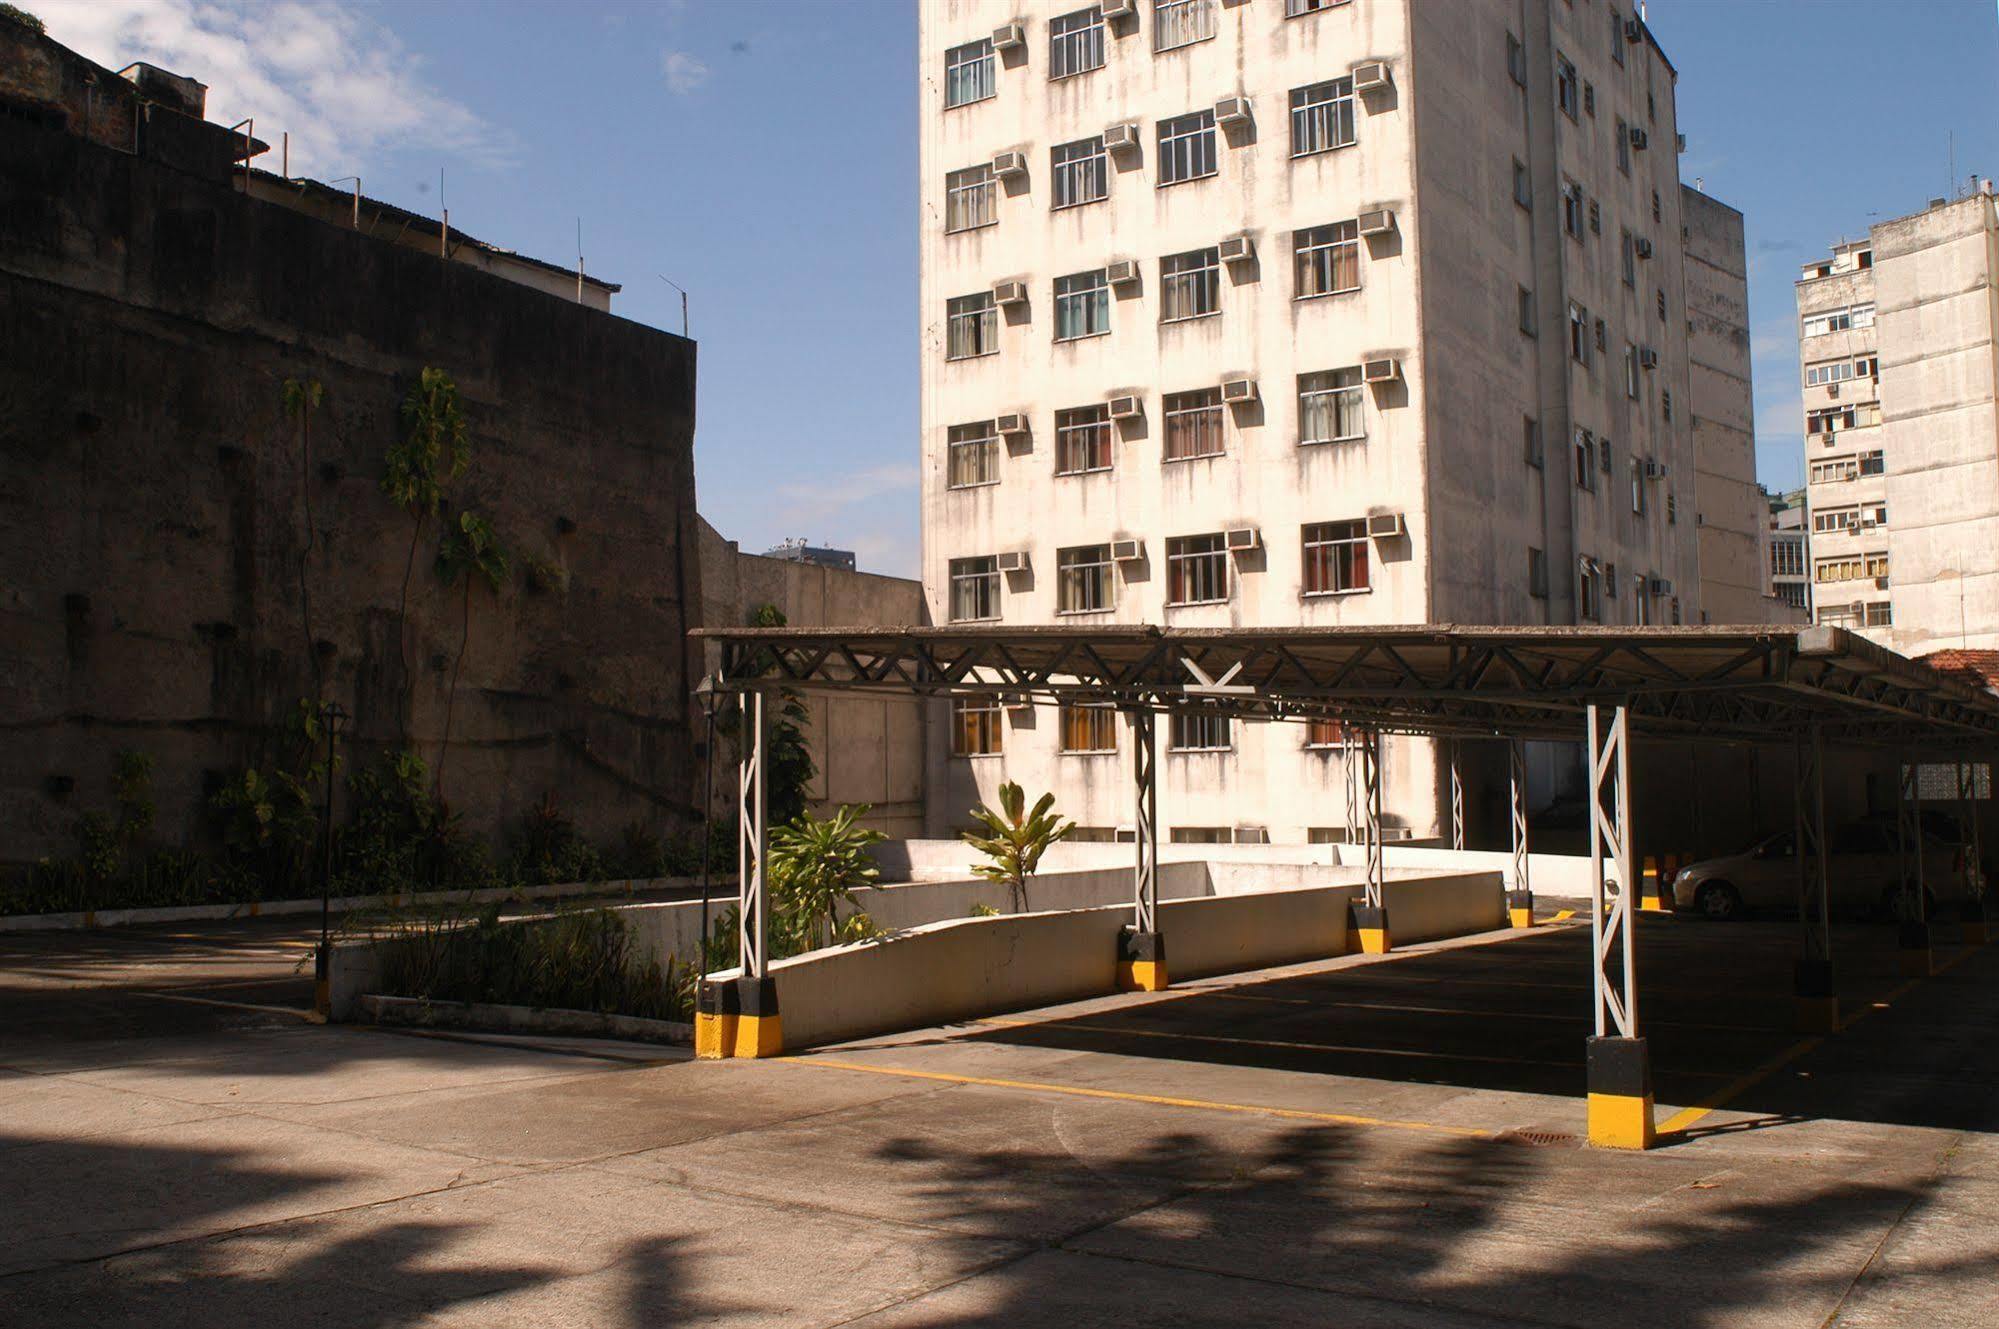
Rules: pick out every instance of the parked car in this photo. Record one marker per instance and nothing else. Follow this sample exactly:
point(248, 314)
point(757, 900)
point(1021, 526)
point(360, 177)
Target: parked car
point(1864, 876)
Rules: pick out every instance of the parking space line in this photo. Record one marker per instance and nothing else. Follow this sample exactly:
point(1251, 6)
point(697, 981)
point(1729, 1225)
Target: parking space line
point(1157, 1100)
point(300, 1012)
point(1500, 1016)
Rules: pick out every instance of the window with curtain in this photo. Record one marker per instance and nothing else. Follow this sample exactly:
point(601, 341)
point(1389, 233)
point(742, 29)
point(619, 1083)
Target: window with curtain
point(1083, 440)
point(1089, 727)
point(1081, 172)
point(1335, 557)
point(1187, 147)
point(1199, 731)
point(1197, 570)
point(968, 73)
point(1178, 23)
point(975, 727)
point(1083, 581)
point(1082, 305)
point(1076, 43)
point(972, 326)
point(1190, 285)
point(970, 199)
point(1193, 424)
point(973, 455)
point(1330, 406)
point(1322, 117)
point(1328, 259)
point(975, 589)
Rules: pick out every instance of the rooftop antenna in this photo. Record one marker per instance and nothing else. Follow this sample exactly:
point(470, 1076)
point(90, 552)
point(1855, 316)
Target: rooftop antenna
point(444, 228)
point(1950, 142)
point(579, 260)
point(357, 195)
point(683, 299)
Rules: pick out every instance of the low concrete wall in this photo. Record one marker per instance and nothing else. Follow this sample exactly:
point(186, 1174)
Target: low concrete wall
point(973, 967)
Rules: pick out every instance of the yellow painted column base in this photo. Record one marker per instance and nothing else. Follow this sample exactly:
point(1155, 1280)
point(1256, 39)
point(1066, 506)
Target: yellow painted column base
point(1141, 976)
point(714, 1035)
point(1652, 904)
point(1917, 963)
point(1817, 1015)
point(758, 1036)
point(1520, 918)
point(1977, 932)
point(1374, 941)
point(1621, 1121)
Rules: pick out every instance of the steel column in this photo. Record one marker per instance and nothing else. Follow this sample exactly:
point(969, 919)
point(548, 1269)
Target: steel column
point(1817, 1000)
point(1914, 908)
point(1520, 894)
point(1457, 799)
point(1145, 808)
point(1620, 1071)
point(1350, 761)
point(753, 841)
point(1976, 929)
point(1370, 780)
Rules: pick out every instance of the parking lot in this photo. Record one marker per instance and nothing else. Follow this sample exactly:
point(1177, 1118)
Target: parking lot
point(1366, 1141)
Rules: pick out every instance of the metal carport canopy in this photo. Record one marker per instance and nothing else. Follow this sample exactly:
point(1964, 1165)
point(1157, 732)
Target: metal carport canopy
point(1714, 683)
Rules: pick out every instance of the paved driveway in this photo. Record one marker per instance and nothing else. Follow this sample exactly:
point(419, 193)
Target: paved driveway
point(1367, 1142)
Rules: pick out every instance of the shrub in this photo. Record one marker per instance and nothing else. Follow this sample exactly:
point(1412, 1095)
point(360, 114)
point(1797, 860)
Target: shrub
point(581, 960)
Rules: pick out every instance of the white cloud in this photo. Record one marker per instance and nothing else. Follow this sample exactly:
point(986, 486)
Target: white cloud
point(342, 84)
point(684, 72)
point(822, 497)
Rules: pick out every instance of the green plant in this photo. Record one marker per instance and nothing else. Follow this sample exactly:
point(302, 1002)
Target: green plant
point(788, 762)
point(301, 399)
point(814, 867)
point(434, 452)
point(472, 552)
point(545, 847)
point(572, 960)
point(22, 17)
point(1014, 839)
point(984, 910)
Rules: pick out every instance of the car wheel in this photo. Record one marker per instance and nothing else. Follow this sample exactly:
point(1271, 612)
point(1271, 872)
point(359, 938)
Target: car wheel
point(1719, 901)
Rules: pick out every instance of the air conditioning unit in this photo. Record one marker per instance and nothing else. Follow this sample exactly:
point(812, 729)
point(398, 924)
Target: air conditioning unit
point(1832, 389)
point(1238, 389)
point(1371, 74)
point(1377, 221)
point(1381, 371)
point(1639, 138)
point(1127, 551)
point(1648, 358)
point(1009, 35)
point(1121, 138)
point(1118, 8)
point(1385, 526)
point(1683, 142)
point(1242, 540)
point(1660, 586)
point(1122, 272)
point(1657, 470)
point(1237, 249)
point(1013, 560)
point(1642, 247)
point(1127, 408)
point(1232, 111)
point(1012, 424)
point(1880, 583)
point(1010, 164)
point(1010, 292)
point(1632, 31)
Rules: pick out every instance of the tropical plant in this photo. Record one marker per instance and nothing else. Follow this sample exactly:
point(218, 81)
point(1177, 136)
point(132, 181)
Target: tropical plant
point(22, 17)
point(433, 453)
point(301, 400)
point(472, 552)
point(1014, 839)
point(546, 847)
point(814, 867)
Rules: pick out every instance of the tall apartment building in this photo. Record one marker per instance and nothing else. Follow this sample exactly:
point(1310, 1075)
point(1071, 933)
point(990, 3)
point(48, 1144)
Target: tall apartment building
point(1292, 312)
point(1846, 486)
point(1897, 336)
point(1787, 569)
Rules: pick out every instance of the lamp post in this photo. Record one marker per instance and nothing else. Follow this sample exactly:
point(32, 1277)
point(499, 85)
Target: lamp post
point(322, 998)
point(711, 701)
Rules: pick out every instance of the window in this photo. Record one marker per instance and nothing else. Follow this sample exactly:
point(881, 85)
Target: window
point(1322, 117)
point(1631, 383)
point(1335, 558)
point(1325, 734)
point(1193, 424)
point(1527, 312)
point(972, 327)
point(1082, 305)
point(1537, 573)
point(1872, 463)
point(1829, 520)
point(975, 589)
point(1186, 147)
point(1089, 727)
point(1603, 456)
point(1672, 508)
point(1589, 98)
point(1660, 297)
point(1666, 405)
point(1867, 366)
point(1629, 251)
point(1840, 468)
point(1787, 558)
point(1199, 731)
point(1197, 570)
point(1616, 38)
point(1839, 320)
point(1637, 487)
point(1602, 339)
point(1585, 459)
point(1530, 435)
point(1851, 568)
point(1877, 614)
point(973, 455)
point(1083, 440)
point(975, 726)
point(1516, 60)
point(1567, 90)
point(1595, 217)
point(970, 199)
point(1080, 172)
point(1083, 583)
point(968, 73)
point(1300, 8)
point(1076, 43)
point(1655, 206)
point(1572, 209)
point(1641, 603)
point(1190, 285)
point(1328, 259)
point(1578, 333)
point(1623, 147)
point(1178, 23)
point(1523, 185)
point(1330, 406)
point(1589, 591)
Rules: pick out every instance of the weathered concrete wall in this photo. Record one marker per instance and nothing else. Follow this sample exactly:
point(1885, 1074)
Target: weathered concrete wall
point(865, 749)
point(158, 504)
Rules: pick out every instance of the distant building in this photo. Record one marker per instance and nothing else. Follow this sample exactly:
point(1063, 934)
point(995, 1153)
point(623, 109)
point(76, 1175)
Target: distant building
point(797, 551)
point(1787, 544)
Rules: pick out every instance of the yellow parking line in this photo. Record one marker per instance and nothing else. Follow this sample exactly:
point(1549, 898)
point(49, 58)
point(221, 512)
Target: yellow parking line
point(301, 1012)
point(1276, 1043)
point(1158, 1100)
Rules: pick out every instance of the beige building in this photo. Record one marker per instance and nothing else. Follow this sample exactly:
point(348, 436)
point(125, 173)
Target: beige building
point(1286, 313)
point(1897, 337)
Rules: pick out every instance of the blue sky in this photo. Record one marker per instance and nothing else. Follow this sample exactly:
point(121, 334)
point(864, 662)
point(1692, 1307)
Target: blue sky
point(762, 153)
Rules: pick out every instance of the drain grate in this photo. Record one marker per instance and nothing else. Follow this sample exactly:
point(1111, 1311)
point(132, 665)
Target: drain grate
point(1544, 1139)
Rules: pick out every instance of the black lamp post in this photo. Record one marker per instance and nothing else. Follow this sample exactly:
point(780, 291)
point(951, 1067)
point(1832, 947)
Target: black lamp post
point(332, 713)
point(711, 701)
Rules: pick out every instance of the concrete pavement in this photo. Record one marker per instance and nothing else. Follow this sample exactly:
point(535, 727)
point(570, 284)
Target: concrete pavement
point(1365, 1142)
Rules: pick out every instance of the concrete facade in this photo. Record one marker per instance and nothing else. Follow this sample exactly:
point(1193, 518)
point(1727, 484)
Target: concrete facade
point(1522, 477)
point(1787, 559)
point(162, 513)
point(865, 749)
